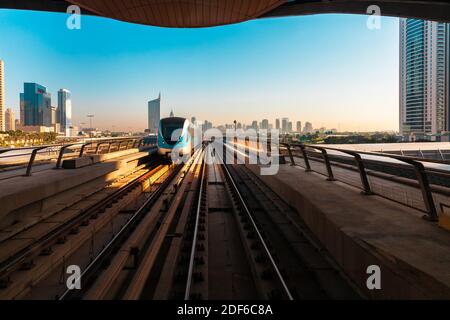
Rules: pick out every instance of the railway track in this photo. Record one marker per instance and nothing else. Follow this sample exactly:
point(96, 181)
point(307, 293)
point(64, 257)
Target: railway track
point(123, 278)
point(55, 237)
point(206, 230)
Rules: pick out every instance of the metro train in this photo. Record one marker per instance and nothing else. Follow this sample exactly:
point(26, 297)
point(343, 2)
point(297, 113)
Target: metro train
point(174, 133)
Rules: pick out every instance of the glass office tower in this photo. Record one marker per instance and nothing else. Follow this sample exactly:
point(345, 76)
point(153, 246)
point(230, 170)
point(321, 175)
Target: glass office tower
point(424, 72)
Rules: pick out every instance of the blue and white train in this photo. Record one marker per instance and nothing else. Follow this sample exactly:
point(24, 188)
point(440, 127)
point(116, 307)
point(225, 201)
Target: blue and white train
point(174, 133)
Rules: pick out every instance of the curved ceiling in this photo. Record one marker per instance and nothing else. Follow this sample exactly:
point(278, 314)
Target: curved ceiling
point(205, 13)
point(180, 13)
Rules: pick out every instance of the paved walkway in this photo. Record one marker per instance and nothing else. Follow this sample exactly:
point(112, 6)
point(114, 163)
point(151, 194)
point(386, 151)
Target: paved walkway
point(359, 231)
point(399, 192)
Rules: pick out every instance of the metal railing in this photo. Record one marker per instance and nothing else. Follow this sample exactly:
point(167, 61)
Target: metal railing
point(60, 151)
point(322, 154)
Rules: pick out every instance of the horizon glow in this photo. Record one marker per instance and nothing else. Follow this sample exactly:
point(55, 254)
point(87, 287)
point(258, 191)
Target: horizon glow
point(330, 70)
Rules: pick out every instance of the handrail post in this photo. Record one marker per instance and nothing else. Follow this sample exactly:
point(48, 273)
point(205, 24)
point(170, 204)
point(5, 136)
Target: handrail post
point(291, 157)
point(257, 147)
point(327, 165)
point(32, 158)
point(363, 174)
point(82, 149)
point(305, 158)
point(98, 147)
point(426, 191)
point(61, 154)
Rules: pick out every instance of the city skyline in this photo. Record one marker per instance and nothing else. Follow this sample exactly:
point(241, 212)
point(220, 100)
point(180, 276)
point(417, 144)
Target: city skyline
point(297, 67)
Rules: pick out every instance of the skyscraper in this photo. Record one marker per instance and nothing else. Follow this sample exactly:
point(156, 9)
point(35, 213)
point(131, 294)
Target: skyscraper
point(10, 120)
point(284, 125)
point(424, 78)
point(265, 124)
point(22, 110)
point(35, 101)
point(308, 127)
point(299, 126)
point(277, 124)
point(64, 111)
point(2, 96)
point(154, 109)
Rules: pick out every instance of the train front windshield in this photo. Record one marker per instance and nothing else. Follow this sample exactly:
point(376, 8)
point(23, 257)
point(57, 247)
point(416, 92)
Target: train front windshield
point(169, 127)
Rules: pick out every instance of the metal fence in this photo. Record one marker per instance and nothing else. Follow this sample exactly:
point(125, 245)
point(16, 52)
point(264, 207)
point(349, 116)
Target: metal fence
point(27, 156)
point(327, 160)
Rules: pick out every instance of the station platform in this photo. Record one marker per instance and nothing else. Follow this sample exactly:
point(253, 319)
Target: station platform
point(360, 231)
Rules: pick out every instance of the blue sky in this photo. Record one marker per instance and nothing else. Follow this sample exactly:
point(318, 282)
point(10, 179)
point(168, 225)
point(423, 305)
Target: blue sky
point(330, 70)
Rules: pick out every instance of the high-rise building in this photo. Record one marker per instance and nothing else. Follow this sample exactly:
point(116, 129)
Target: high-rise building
point(35, 101)
point(255, 125)
point(289, 127)
point(63, 114)
point(10, 120)
point(308, 127)
point(2, 96)
point(22, 110)
point(284, 125)
point(277, 124)
point(154, 111)
point(424, 78)
point(265, 124)
point(299, 126)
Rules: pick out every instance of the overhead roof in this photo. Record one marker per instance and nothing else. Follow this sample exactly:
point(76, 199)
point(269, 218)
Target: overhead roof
point(205, 13)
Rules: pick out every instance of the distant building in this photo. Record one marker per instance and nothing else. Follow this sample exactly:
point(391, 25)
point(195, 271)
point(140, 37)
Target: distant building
point(207, 125)
point(193, 120)
point(154, 114)
point(22, 110)
point(299, 126)
point(64, 111)
point(308, 127)
point(171, 114)
point(284, 125)
point(35, 99)
point(289, 127)
point(39, 129)
point(277, 124)
point(49, 116)
point(255, 124)
point(10, 120)
point(424, 78)
point(2, 96)
point(265, 124)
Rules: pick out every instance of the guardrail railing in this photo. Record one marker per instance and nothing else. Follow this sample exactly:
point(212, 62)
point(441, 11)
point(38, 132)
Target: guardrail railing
point(59, 151)
point(321, 153)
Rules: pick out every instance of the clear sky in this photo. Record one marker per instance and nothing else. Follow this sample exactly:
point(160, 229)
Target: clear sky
point(330, 70)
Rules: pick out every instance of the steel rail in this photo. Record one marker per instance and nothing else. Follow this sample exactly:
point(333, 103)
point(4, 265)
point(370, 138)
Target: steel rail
point(261, 239)
point(194, 240)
